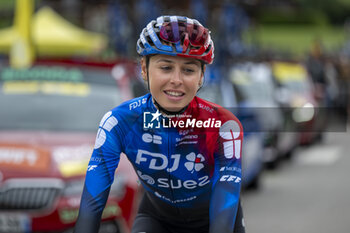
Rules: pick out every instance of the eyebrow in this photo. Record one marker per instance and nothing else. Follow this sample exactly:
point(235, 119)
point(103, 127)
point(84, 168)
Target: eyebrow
point(165, 60)
point(192, 62)
point(186, 63)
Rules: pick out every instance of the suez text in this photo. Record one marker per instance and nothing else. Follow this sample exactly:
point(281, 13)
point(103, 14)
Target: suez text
point(174, 184)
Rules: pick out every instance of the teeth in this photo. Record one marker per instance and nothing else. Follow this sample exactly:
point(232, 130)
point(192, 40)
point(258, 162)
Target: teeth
point(174, 93)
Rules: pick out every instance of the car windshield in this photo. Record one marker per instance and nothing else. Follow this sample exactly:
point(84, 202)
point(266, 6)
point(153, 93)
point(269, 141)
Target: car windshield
point(257, 92)
point(254, 86)
point(34, 102)
point(297, 86)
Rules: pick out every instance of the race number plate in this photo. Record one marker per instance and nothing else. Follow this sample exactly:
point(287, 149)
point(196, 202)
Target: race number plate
point(14, 223)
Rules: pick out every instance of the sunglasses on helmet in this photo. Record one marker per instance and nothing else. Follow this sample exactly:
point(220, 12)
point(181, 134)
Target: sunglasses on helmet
point(190, 33)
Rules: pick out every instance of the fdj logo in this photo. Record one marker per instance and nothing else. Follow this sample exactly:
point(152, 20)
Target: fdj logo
point(151, 120)
point(158, 161)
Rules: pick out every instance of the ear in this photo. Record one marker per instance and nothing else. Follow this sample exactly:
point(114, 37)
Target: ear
point(143, 68)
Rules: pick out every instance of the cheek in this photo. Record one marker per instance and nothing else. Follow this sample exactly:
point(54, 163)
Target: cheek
point(157, 82)
point(194, 83)
point(154, 77)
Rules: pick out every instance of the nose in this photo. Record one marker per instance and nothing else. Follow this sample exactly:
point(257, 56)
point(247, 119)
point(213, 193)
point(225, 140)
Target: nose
point(176, 78)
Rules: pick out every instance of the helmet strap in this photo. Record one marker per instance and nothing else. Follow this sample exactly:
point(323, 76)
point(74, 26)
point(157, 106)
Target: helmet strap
point(147, 75)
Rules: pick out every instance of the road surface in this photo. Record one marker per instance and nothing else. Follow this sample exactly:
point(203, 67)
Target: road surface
point(309, 194)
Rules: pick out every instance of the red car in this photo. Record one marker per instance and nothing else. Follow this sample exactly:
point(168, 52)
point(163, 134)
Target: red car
point(49, 119)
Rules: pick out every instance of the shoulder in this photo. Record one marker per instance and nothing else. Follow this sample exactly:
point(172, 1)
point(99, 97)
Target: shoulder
point(133, 106)
point(128, 111)
point(210, 109)
point(228, 122)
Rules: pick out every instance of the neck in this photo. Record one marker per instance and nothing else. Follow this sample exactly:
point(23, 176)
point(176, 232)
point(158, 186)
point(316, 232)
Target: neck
point(167, 112)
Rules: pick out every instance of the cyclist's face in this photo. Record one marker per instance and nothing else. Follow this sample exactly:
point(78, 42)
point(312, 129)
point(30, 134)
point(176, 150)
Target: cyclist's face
point(174, 81)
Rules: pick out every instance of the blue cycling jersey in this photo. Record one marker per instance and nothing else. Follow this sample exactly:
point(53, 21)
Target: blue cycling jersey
point(189, 164)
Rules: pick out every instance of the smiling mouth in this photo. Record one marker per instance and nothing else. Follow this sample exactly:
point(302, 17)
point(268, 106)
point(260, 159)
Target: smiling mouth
point(174, 93)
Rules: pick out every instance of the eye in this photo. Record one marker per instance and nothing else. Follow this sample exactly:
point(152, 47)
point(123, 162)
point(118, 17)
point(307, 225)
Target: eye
point(189, 70)
point(165, 68)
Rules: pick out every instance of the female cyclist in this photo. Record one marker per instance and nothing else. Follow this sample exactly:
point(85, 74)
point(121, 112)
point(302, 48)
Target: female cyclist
point(186, 151)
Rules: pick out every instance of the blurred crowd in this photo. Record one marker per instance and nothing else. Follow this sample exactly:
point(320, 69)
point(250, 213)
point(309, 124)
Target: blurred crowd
point(123, 20)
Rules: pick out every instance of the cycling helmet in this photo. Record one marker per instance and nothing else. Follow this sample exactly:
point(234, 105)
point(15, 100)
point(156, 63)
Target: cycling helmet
point(176, 36)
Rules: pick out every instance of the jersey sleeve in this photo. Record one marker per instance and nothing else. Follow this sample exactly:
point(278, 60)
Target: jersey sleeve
point(100, 173)
point(227, 175)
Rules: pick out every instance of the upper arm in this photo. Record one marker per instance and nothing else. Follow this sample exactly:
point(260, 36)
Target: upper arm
point(106, 154)
point(226, 177)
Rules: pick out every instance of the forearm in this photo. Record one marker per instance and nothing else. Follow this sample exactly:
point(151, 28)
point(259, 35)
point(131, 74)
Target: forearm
point(90, 212)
